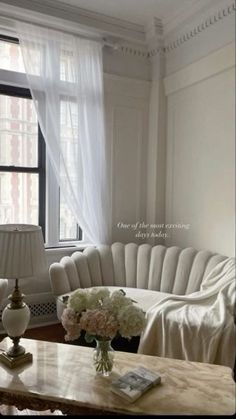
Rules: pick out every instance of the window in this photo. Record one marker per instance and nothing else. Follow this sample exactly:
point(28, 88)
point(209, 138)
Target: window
point(28, 190)
point(22, 159)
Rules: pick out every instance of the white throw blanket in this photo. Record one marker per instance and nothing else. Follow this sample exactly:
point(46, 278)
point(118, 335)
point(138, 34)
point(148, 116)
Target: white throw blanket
point(198, 326)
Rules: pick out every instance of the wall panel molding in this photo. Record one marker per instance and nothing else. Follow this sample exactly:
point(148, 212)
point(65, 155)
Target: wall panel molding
point(125, 86)
point(126, 104)
point(218, 61)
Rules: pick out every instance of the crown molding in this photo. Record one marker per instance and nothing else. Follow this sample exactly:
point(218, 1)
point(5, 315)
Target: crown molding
point(156, 51)
point(138, 51)
point(155, 46)
point(128, 38)
point(97, 22)
point(205, 24)
point(134, 51)
point(154, 29)
point(119, 44)
point(171, 24)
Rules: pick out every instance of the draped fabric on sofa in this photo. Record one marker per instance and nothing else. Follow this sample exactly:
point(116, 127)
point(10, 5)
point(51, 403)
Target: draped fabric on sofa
point(199, 326)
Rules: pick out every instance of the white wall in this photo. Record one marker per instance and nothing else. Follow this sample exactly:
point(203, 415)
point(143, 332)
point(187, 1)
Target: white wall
point(128, 63)
point(126, 111)
point(201, 153)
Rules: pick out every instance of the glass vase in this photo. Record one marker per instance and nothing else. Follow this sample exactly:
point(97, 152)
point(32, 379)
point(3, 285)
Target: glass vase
point(103, 357)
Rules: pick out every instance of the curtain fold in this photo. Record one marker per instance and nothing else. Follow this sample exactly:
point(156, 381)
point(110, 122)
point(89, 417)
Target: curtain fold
point(65, 75)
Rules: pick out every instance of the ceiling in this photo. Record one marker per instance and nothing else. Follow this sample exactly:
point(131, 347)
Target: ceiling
point(138, 11)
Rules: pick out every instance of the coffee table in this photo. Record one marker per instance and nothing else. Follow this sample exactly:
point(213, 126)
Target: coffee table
point(62, 377)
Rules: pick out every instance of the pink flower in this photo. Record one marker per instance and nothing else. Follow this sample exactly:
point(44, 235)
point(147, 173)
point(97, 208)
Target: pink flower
point(101, 315)
point(99, 322)
point(70, 322)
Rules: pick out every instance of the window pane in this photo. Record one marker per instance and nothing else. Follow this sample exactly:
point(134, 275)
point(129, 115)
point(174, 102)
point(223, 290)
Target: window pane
point(19, 197)
point(18, 132)
point(10, 57)
point(69, 143)
point(68, 225)
point(69, 129)
point(66, 65)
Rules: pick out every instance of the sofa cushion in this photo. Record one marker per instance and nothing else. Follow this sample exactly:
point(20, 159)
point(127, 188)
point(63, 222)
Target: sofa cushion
point(144, 298)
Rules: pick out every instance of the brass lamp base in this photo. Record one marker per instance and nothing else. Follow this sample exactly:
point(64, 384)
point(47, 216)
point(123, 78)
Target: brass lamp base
point(16, 361)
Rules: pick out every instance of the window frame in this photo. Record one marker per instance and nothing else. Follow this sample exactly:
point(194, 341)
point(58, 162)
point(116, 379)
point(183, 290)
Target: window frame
point(12, 83)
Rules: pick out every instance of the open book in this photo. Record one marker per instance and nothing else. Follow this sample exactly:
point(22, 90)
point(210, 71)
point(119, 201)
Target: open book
point(134, 383)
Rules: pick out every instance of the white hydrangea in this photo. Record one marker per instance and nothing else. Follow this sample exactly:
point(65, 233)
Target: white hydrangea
point(78, 300)
point(131, 320)
point(119, 300)
point(107, 304)
point(92, 308)
point(96, 295)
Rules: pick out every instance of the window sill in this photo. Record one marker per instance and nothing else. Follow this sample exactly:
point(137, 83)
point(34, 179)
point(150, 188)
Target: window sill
point(67, 247)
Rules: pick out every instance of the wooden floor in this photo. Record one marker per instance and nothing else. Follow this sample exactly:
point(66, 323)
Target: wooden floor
point(52, 333)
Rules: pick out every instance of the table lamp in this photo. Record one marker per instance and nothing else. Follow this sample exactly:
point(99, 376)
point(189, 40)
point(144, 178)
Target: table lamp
point(22, 255)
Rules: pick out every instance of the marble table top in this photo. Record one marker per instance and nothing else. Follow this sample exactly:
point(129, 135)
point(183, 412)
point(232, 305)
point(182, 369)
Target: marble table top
point(64, 373)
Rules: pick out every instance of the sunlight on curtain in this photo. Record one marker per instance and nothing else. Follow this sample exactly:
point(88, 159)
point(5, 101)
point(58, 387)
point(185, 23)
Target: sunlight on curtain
point(65, 75)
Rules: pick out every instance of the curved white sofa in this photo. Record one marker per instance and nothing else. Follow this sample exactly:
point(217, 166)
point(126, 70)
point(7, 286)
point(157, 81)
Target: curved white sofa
point(188, 295)
point(141, 269)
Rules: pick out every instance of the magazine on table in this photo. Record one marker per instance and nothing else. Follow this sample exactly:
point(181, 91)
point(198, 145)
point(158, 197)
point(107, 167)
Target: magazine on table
point(135, 383)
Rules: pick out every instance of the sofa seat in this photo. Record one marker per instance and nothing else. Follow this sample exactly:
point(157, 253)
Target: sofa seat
point(145, 298)
point(155, 270)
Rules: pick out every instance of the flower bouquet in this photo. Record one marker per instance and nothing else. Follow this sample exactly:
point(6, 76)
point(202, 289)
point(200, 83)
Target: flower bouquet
point(102, 315)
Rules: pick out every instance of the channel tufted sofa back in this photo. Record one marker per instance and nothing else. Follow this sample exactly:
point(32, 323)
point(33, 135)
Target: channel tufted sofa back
point(159, 268)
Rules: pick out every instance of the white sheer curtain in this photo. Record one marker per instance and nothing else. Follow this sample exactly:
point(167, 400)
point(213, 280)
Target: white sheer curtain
point(65, 75)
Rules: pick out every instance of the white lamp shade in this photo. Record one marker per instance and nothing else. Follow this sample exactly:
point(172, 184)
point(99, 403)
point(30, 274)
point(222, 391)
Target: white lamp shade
point(22, 252)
